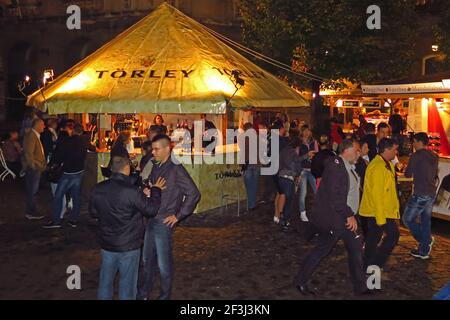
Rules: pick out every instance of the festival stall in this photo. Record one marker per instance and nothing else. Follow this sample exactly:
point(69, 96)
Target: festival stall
point(428, 107)
point(168, 64)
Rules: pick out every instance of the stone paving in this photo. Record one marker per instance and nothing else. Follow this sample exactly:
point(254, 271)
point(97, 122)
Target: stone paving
point(217, 256)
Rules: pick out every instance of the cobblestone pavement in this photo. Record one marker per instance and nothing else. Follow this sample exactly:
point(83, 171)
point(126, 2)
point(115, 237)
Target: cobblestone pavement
point(217, 256)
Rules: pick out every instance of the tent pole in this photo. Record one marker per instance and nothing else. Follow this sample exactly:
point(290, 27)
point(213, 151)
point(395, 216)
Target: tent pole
point(99, 133)
point(224, 126)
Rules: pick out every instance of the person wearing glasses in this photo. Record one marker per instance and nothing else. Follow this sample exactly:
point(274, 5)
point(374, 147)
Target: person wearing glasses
point(333, 216)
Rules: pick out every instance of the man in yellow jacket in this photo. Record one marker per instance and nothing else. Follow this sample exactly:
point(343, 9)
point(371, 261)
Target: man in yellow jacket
point(380, 205)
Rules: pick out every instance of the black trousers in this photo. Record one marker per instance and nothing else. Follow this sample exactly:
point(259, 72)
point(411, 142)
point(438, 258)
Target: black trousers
point(326, 242)
point(377, 253)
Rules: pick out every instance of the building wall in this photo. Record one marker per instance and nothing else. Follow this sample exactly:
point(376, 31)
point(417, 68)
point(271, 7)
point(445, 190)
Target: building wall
point(34, 36)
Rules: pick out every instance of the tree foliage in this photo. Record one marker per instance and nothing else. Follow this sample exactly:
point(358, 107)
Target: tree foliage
point(330, 38)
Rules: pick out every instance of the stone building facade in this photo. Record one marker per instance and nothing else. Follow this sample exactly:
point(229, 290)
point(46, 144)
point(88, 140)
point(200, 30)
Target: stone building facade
point(34, 35)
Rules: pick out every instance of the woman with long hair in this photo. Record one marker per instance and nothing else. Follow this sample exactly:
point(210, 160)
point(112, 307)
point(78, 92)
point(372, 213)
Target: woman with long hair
point(290, 168)
point(158, 124)
point(308, 148)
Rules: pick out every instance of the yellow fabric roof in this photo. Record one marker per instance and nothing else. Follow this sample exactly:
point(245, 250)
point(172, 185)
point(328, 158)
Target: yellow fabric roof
point(165, 63)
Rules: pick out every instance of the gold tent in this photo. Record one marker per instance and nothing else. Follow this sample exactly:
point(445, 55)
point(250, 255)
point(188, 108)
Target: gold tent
point(165, 63)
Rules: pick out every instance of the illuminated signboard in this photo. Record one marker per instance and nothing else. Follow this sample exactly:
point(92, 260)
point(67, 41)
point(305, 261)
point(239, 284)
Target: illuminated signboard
point(371, 104)
point(350, 103)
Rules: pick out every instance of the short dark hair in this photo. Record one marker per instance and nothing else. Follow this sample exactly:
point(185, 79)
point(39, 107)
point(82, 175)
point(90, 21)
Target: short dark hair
point(78, 129)
point(363, 141)
point(382, 125)
point(396, 110)
point(66, 123)
point(324, 140)
point(146, 145)
point(422, 137)
point(118, 163)
point(370, 127)
point(247, 126)
point(160, 137)
point(386, 143)
point(346, 144)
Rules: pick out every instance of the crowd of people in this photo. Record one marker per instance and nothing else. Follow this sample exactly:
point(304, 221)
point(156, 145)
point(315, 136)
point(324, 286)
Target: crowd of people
point(137, 208)
point(353, 183)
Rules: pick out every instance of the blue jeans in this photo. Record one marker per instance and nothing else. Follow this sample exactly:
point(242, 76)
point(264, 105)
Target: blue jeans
point(422, 207)
point(157, 252)
point(54, 186)
point(306, 177)
point(32, 178)
point(127, 264)
point(251, 177)
point(443, 294)
point(288, 189)
point(69, 183)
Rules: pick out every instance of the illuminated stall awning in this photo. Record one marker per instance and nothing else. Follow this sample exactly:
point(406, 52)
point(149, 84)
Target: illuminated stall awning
point(165, 63)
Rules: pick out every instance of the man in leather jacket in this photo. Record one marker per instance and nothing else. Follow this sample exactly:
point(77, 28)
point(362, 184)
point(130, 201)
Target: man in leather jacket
point(119, 207)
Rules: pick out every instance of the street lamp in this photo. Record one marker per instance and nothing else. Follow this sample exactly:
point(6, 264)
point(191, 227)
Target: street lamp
point(48, 76)
point(23, 84)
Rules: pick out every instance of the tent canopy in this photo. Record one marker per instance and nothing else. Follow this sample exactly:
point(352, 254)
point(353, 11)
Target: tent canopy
point(165, 63)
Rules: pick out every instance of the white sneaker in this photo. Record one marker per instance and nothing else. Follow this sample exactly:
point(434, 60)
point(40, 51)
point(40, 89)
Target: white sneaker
point(303, 216)
point(276, 219)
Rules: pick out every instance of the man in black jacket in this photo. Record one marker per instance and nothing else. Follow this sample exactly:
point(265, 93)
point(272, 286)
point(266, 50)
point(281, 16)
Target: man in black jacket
point(71, 153)
point(119, 205)
point(372, 140)
point(49, 138)
point(335, 206)
point(178, 201)
point(320, 159)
